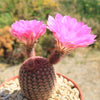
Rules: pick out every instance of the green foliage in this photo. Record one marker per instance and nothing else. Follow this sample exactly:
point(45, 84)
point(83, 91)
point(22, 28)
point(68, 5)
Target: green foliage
point(5, 19)
point(86, 8)
point(12, 10)
point(45, 45)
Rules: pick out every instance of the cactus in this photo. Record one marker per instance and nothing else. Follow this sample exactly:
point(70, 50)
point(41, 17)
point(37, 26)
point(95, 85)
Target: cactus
point(37, 78)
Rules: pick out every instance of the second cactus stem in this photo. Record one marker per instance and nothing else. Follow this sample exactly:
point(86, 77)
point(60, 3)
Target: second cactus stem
point(55, 57)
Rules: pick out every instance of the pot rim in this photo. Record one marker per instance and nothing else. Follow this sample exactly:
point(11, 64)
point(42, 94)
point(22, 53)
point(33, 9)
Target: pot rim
point(80, 92)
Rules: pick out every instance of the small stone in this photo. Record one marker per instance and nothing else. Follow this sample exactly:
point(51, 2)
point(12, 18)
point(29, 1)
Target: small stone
point(19, 97)
point(1, 98)
point(14, 95)
point(10, 99)
point(24, 99)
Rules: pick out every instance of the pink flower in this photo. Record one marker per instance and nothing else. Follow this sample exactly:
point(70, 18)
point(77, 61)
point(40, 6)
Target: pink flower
point(27, 31)
point(69, 32)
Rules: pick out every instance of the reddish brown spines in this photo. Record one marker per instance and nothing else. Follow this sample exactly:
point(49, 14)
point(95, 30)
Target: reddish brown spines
point(38, 80)
point(55, 57)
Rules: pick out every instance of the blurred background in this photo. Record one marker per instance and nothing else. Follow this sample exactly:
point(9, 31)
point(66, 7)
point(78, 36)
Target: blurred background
point(82, 65)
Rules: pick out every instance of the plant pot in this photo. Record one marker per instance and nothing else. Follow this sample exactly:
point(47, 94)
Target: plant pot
point(75, 85)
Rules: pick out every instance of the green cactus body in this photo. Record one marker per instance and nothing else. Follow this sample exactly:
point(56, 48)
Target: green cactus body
point(37, 78)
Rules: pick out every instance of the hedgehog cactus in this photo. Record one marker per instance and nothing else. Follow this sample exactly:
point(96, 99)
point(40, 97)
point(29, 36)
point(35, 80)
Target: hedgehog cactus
point(37, 76)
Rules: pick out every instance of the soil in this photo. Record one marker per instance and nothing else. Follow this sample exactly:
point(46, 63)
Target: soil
point(83, 66)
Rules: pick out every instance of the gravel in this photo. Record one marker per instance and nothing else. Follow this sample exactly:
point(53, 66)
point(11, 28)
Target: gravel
point(64, 90)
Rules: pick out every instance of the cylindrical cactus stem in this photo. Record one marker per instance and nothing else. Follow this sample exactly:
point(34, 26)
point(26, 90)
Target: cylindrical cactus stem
point(37, 78)
point(55, 56)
